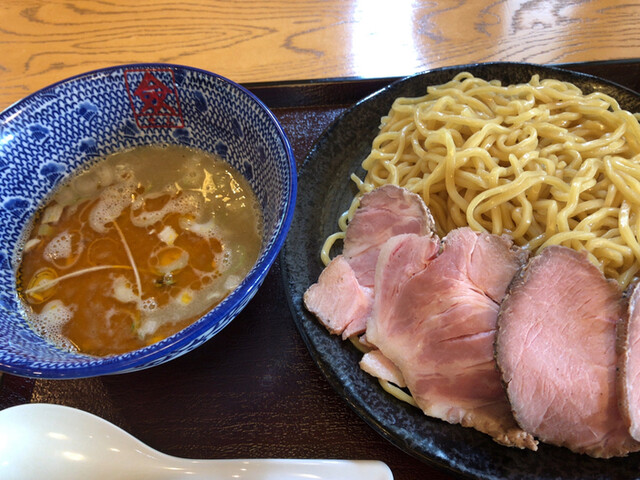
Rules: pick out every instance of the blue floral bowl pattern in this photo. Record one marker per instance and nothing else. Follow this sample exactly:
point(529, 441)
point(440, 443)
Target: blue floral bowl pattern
point(57, 130)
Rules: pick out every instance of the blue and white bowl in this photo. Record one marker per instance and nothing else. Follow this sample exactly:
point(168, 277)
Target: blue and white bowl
point(57, 130)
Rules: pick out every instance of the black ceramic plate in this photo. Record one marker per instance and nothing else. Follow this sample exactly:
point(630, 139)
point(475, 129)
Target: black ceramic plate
point(325, 191)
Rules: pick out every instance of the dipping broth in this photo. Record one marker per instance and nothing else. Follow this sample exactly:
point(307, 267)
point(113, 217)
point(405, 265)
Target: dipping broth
point(136, 248)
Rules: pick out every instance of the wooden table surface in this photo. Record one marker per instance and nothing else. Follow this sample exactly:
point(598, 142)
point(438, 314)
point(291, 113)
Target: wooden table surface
point(253, 390)
point(259, 40)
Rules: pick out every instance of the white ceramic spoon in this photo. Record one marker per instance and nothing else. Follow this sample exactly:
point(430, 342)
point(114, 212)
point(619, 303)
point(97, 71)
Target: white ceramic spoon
point(43, 441)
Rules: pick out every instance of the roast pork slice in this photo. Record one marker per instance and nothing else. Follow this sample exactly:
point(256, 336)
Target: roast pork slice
point(383, 213)
point(379, 366)
point(342, 297)
point(435, 319)
point(341, 304)
point(556, 349)
point(629, 363)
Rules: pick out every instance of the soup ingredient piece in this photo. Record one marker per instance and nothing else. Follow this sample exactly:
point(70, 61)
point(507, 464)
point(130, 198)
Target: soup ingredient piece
point(52, 214)
point(168, 260)
point(168, 235)
point(205, 230)
point(38, 289)
point(186, 296)
point(31, 244)
point(629, 363)
point(383, 213)
point(64, 249)
point(555, 347)
point(341, 304)
point(435, 318)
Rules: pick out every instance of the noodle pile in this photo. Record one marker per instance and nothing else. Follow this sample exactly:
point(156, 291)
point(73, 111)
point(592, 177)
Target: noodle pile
point(539, 161)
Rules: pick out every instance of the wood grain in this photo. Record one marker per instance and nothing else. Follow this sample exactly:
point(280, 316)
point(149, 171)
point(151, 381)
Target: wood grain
point(255, 41)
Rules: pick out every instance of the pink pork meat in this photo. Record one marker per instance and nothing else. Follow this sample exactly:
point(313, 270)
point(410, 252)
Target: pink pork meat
point(383, 213)
point(379, 366)
point(435, 319)
point(556, 349)
point(341, 304)
point(342, 298)
point(629, 363)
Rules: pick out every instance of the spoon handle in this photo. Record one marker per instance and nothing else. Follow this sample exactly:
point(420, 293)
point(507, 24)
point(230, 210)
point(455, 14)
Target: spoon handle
point(281, 469)
point(52, 442)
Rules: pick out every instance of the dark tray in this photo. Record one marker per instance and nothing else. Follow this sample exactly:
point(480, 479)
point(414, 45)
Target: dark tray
point(253, 391)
